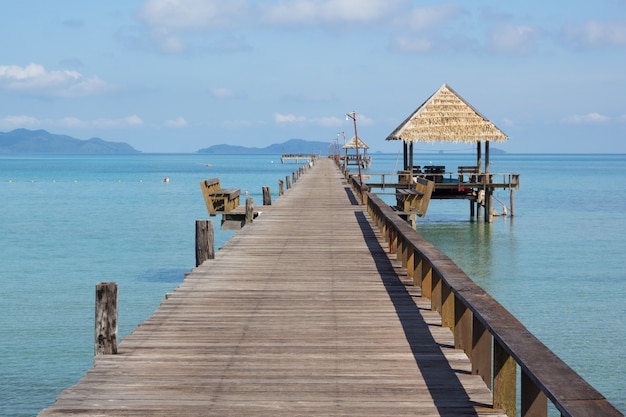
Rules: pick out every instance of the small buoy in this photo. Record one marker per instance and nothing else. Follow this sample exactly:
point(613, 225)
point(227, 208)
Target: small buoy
point(246, 193)
point(166, 179)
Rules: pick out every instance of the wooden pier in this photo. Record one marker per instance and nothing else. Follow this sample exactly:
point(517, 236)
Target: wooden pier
point(298, 157)
point(306, 311)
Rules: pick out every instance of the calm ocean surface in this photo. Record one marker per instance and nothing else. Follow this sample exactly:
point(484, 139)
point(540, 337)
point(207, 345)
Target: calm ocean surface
point(68, 222)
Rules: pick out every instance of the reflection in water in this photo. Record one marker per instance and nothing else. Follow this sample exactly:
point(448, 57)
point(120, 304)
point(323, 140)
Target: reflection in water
point(475, 246)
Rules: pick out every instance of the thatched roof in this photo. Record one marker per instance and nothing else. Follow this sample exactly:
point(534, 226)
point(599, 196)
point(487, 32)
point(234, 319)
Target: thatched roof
point(447, 117)
point(351, 144)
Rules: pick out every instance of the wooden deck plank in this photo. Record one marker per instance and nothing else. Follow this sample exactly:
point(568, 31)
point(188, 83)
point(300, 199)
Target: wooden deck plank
point(300, 313)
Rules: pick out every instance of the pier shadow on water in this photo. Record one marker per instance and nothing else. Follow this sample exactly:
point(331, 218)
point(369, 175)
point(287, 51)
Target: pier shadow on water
point(442, 381)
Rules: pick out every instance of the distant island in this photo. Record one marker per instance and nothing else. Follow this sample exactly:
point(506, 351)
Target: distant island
point(297, 146)
point(41, 141)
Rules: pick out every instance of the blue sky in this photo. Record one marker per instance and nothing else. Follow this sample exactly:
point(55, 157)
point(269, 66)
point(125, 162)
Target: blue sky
point(180, 75)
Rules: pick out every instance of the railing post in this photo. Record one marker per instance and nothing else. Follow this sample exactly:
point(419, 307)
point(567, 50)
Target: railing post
point(205, 241)
point(249, 210)
point(534, 403)
point(288, 181)
point(410, 261)
point(447, 306)
point(106, 319)
point(400, 249)
point(435, 299)
point(427, 279)
point(267, 196)
point(504, 380)
point(462, 327)
point(481, 351)
point(281, 187)
point(418, 274)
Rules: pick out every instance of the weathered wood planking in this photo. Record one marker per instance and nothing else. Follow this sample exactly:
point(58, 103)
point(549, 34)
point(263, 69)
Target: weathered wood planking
point(301, 313)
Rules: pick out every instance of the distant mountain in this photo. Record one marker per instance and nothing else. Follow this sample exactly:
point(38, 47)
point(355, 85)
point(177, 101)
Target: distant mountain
point(41, 141)
point(290, 146)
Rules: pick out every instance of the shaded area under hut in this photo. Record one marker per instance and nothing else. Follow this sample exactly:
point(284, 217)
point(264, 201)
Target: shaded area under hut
point(447, 117)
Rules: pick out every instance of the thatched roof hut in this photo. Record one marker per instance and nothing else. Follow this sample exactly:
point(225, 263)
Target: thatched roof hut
point(447, 117)
point(353, 142)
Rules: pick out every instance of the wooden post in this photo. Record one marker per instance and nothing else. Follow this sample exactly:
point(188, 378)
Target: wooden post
point(512, 203)
point(205, 241)
point(481, 351)
point(281, 187)
point(534, 403)
point(267, 196)
point(504, 380)
point(249, 210)
point(447, 306)
point(106, 318)
point(288, 181)
point(435, 297)
point(462, 327)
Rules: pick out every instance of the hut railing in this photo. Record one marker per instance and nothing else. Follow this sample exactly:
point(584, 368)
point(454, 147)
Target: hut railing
point(493, 339)
point(460, 179)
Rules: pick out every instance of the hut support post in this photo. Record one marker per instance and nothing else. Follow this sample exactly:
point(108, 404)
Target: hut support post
point(512, 202)
point(406, 154)
point(411, 163)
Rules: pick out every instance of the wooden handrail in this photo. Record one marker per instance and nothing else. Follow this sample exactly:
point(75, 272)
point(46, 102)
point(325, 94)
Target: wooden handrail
point(494, 340)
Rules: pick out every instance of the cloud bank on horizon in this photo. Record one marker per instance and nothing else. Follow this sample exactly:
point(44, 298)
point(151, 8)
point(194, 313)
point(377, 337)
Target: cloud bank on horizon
point(180, 75)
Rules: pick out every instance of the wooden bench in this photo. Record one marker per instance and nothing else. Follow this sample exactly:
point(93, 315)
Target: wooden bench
point(219, 199)
point(471, 171)
point(416, 198)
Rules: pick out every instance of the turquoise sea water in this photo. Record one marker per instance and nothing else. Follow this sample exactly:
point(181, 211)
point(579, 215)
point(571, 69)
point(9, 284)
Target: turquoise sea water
point(68, 222)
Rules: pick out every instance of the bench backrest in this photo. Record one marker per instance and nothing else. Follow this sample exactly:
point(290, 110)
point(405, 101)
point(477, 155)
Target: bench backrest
point(211, 185)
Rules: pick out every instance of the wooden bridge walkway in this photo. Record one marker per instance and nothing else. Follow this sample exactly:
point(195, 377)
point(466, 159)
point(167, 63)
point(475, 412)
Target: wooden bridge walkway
point(300, 313)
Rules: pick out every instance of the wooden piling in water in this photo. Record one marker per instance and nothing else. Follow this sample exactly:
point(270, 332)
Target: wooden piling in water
point(106, 319)
point(205, 241)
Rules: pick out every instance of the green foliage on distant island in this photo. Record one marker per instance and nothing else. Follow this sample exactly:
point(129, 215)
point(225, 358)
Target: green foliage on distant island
point(41, 141)
point(297, 146)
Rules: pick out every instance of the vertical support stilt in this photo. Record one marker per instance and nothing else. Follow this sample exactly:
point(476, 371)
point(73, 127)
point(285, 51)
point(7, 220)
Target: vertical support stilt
point(512, 202)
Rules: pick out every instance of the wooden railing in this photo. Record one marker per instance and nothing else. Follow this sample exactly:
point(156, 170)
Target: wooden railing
point(494, 340)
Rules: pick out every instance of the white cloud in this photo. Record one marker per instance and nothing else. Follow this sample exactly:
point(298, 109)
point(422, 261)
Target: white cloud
point(35, 79)
point(314, 12)
point(288, 118)
point(509, 38)
point(587, 118)
point(330, 122)
point(193, 14)
point(13, 122)
point(403, 44)
point(222, 93)
point(179, 122)
point(596, 34)
point(423, 18)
